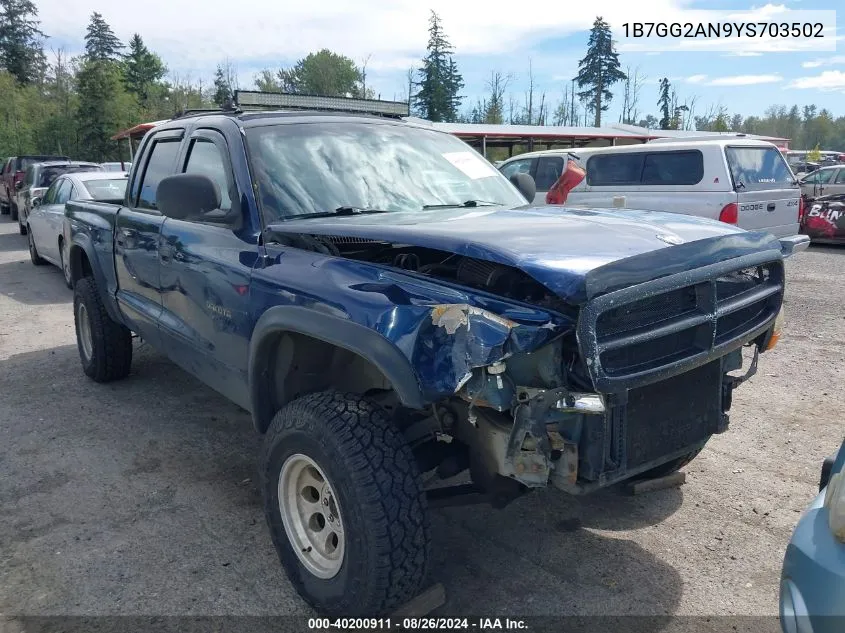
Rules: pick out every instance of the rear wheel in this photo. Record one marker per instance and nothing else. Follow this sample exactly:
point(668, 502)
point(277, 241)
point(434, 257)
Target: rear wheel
point(13, 210)
point(33, 252)
point(345, 505)
point(105, 346)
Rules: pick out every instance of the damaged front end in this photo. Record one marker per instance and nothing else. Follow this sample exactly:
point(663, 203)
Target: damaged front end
point(577, 378)
point(644, 377)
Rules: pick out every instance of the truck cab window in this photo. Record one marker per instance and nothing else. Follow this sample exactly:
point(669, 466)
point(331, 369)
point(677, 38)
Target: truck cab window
point(205, 158)
point(159, 166)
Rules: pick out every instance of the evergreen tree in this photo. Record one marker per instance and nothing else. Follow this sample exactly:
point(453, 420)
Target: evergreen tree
point(21, 53)
point(99, 87)
point(98, 83)
point(599, 70)
point(664, 102)
point(101, 44)
point(438, 98)
point(143, 69)
point(222, 87)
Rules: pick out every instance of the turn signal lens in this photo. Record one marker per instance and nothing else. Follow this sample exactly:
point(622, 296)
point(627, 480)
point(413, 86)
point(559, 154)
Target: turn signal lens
point(777, 328)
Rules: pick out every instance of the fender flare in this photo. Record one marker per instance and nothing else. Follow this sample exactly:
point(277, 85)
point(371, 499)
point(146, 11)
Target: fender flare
point(84, 243)
point(358, 339)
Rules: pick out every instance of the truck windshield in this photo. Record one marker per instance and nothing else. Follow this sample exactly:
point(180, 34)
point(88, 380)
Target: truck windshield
point(755, 168)
point(305, 169)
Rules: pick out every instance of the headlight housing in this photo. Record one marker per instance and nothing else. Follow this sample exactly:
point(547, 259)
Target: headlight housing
point(834, 501)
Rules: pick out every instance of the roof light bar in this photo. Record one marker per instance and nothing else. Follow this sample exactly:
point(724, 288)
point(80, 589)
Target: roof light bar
point(249, 98)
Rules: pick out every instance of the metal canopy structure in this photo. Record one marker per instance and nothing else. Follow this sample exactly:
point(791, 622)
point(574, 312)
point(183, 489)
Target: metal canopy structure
point(484, 136)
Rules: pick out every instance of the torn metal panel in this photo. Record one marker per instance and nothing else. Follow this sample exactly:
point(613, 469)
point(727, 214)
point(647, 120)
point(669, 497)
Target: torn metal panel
point(464, 337)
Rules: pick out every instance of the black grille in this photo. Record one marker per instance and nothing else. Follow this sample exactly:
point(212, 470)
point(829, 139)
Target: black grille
point(647, 312)
point(652, 353)
point(631, 339)
point(674, 414)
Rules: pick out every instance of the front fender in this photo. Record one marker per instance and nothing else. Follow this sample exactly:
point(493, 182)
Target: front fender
point(343, 333)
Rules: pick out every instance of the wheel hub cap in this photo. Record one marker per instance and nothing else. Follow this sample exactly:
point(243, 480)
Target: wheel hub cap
point(311, 516)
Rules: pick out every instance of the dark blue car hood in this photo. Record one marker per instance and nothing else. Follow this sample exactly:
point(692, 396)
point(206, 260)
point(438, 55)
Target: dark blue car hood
point(576, 253)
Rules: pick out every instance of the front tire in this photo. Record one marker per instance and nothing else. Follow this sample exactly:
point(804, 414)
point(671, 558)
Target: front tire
point(105, 347)
point(345, 505)
point(13, 210)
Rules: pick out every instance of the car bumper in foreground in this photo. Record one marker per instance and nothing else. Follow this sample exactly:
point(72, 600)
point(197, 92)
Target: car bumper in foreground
point(812, 590)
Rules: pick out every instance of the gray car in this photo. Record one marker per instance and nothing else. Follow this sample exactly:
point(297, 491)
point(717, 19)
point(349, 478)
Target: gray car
point(46, 218)
point(39, 177)
point(824, 182)
point(812, 588)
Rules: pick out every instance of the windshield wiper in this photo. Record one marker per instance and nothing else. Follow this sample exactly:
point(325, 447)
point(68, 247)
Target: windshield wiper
point(338, 211)
point(740, 184)
point(467, 203)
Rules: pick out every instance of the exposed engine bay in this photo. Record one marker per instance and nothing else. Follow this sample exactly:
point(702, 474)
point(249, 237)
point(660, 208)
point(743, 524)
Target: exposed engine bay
point(535, 416)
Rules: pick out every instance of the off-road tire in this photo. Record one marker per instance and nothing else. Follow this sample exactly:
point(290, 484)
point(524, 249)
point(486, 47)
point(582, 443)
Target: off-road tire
point(670, 467)
point(375, 478)
point(34, 257)
point(111, 356)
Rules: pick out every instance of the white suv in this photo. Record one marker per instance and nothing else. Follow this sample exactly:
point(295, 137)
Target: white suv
point(733, 179)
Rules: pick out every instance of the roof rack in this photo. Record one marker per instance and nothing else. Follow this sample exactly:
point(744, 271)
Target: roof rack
point(280, 100)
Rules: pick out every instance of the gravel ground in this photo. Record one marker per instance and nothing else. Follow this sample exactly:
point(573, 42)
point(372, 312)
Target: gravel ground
point(139, 497)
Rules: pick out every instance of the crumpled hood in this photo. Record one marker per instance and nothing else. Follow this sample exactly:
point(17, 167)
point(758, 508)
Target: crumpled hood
point(573, 252)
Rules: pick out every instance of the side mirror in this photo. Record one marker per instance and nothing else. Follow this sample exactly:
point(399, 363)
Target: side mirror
point(36, 202)
point(190, 197)
point(525, 184)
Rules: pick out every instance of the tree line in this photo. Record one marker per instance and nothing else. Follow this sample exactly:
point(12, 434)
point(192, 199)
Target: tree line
point(53, 103)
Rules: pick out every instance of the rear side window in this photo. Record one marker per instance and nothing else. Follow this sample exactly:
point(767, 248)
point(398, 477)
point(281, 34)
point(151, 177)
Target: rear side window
point(756, 168)
point(673, 168)
point(615, 169)
point(548, 171)
point(159, 166)
point(684, 167)
point(63, 193)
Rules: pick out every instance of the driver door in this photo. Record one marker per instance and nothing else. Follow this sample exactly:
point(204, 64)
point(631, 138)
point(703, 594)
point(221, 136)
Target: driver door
point(205, 274)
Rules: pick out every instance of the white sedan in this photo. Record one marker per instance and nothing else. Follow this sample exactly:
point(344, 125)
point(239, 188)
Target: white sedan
point(46, 219)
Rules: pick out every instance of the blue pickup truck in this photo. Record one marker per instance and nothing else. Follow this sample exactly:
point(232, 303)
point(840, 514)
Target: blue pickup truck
point(386, 306)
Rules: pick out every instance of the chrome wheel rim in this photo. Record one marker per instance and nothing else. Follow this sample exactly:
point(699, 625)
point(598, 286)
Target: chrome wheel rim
point(84, 325)
point(311, 516)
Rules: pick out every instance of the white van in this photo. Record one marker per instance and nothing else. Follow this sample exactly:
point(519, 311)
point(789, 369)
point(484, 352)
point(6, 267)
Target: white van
point(733, 179)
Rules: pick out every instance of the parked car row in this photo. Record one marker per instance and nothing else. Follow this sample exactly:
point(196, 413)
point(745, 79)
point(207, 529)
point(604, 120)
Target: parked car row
point(25, 179)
